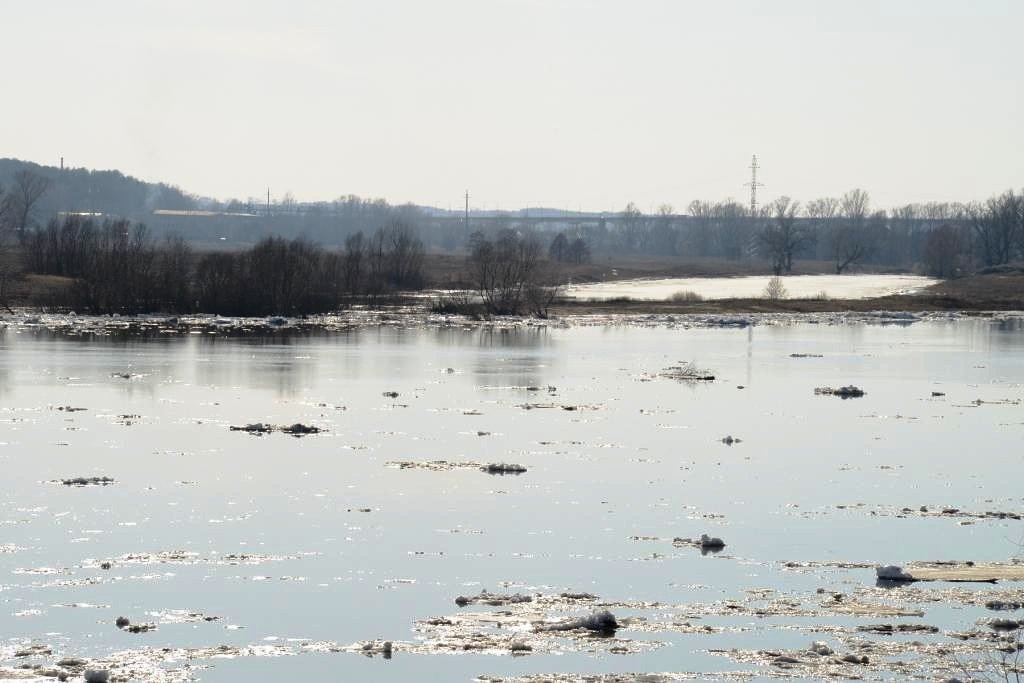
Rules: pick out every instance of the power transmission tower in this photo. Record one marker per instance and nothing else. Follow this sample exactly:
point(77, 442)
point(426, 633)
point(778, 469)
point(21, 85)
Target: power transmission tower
point(753, 184)
point(752, 247)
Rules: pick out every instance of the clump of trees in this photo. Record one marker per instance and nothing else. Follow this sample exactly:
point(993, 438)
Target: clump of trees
point(117, 267)
point(275, 277)
point(569, 249)
point(998, 228)
point(510, 274)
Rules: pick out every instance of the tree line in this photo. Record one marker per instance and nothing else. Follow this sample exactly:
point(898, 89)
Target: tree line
point(944, 239)
point(119, 267)
point(940, 238)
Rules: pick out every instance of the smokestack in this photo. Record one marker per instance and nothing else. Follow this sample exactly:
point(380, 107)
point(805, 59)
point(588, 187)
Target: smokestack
point(62, 163)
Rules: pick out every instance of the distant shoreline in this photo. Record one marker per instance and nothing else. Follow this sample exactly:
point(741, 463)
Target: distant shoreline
point(975, 295)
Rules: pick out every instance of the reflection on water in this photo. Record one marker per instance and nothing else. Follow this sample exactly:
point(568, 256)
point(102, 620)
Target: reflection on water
point(620, 460)
point(288, 361)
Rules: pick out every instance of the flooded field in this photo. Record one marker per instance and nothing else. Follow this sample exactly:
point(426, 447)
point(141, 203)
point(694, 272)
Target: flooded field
point(412, 502)
point(752, 287)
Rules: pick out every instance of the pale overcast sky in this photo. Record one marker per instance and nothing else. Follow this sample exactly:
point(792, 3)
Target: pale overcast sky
point(566, 103)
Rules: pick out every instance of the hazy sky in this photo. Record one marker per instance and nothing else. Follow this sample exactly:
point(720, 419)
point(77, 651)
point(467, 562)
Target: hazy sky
point(566, 103)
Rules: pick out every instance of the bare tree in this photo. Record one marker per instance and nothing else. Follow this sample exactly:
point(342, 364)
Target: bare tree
point(825, 208)
point(998, 227)
point(850, 241)
point(375, 281)
point(631, 226)
point(909, 228)
point(6, 219)
point(734, 229)
point(174, 263)
point(782, 237)
point(354, 262)
point(8, 267)
point(944, 252)
point(404, 254)
point(8, 274)
point(855, 205)
point(28, 189)
point(288, 204)
point(820, 214)
point(699, 237)
point(662, 237)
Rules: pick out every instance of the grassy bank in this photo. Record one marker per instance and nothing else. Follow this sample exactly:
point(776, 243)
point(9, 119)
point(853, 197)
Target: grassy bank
point(1000, 288)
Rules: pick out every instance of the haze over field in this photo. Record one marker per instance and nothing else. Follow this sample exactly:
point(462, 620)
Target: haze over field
point(567, 104)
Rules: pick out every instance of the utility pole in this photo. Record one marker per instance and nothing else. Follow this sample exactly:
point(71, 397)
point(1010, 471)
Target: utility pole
point(467, 217)
point(268, 202)
point(753, 186)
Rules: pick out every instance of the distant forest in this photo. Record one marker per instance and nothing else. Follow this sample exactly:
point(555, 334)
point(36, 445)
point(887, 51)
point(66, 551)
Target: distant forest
point(75, 222)
point(107, 192)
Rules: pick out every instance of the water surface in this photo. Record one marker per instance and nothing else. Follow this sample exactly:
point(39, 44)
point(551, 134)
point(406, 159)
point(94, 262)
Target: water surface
point(345, 548)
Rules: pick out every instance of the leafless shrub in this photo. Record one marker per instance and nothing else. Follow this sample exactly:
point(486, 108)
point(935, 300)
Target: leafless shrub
point(1004, 664)
point(775, 290)
point(509, 275)
point(458, 302)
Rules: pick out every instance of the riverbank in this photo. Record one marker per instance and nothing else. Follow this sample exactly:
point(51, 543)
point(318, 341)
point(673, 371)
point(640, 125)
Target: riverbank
point(995, 291)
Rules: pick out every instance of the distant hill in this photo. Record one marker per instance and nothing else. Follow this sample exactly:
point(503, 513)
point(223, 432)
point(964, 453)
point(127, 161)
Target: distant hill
point(108, 192)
